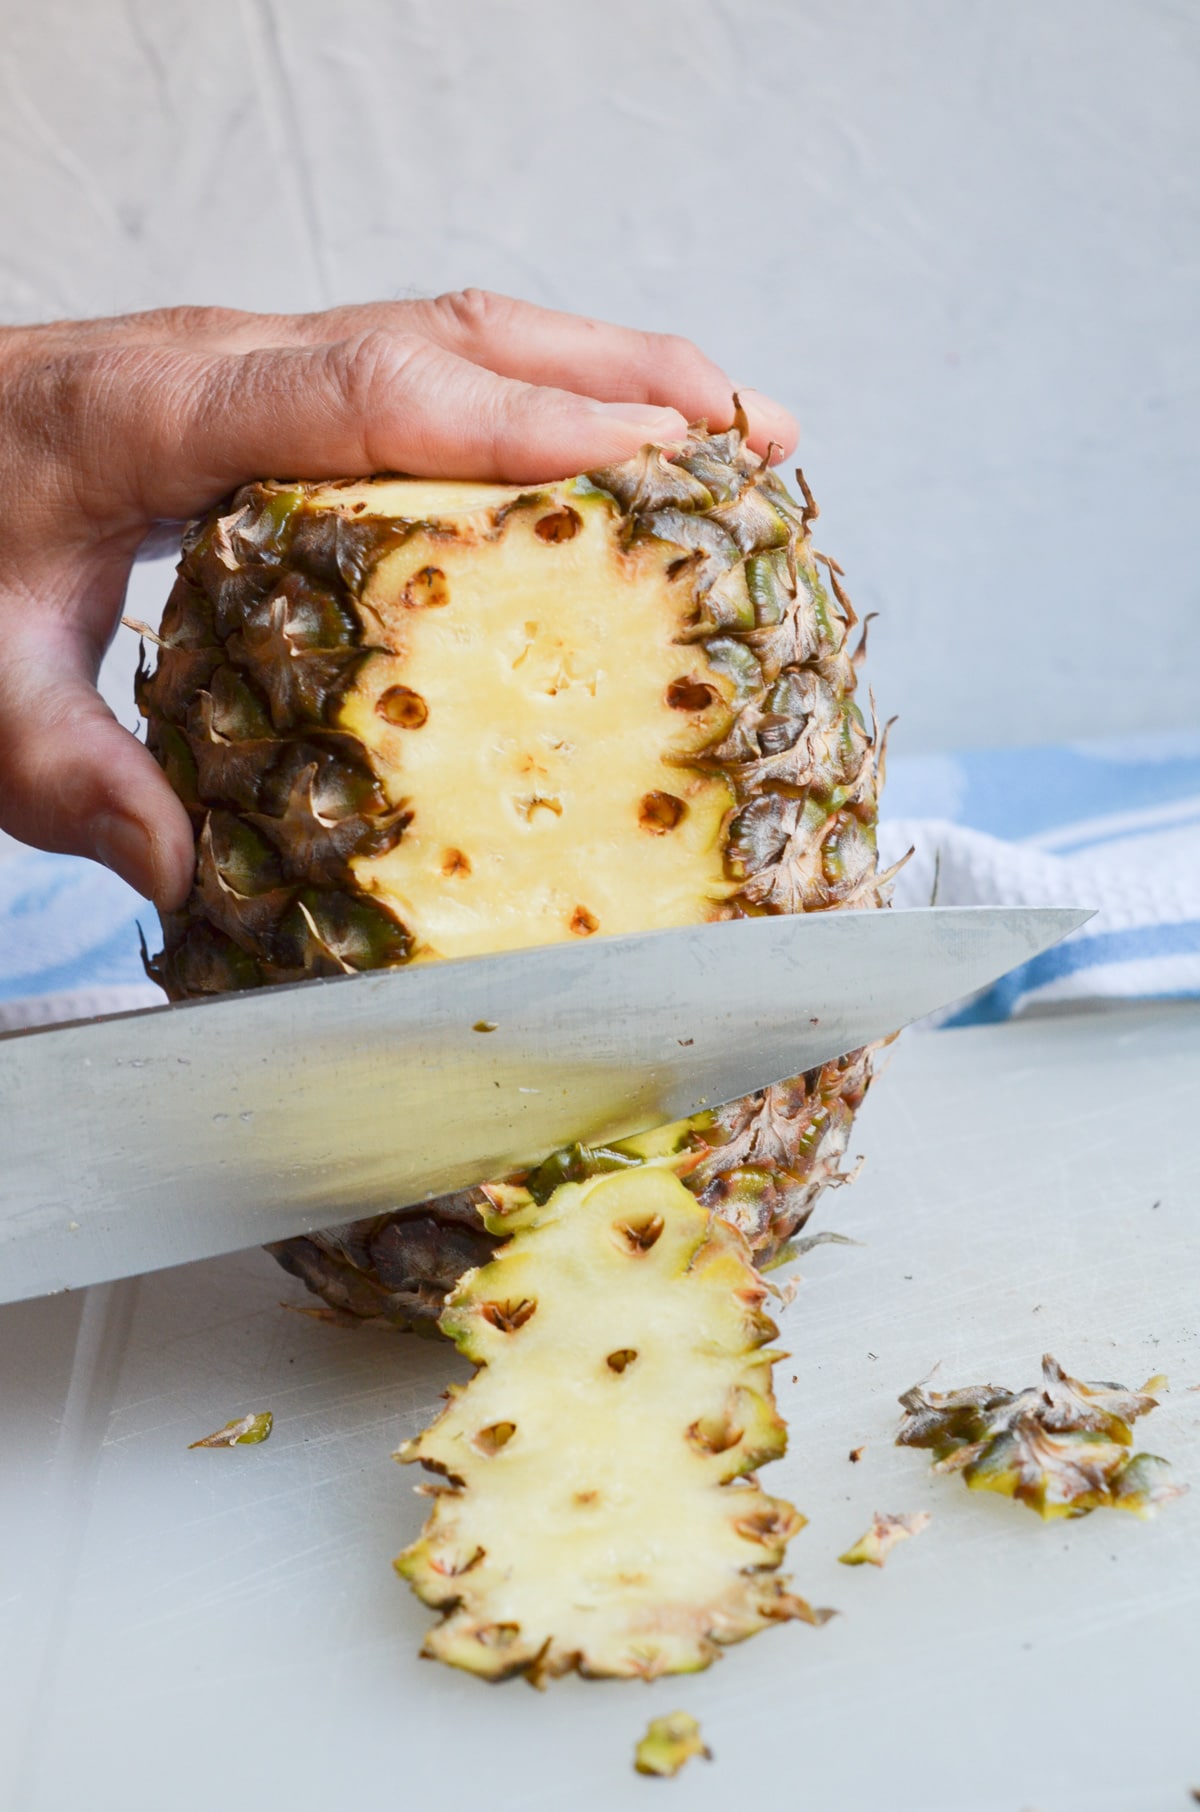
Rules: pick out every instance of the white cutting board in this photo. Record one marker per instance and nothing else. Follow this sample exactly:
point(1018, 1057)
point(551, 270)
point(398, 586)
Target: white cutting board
point(182, 1631)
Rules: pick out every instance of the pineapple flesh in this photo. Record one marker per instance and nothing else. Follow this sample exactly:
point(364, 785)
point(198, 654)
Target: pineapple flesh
point(597, 1508)
point(415, 720)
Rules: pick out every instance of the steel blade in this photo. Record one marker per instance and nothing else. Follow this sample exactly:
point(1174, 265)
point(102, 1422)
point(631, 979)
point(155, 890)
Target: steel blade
point(150, 1138)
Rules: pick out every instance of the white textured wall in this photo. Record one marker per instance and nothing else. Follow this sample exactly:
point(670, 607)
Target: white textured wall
point(959, 237)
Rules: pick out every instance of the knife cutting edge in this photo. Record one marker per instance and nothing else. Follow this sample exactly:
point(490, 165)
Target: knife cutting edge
point(147, 1139)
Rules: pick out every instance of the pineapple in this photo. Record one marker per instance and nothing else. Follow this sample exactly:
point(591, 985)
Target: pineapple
point(415, 720)
point(1064, 1448)
point(598, 1509)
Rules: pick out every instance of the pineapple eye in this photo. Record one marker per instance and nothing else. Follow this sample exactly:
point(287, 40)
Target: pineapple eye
point(690, 695)
point(661, 812)
point(530, 803)
point(426, 590)
point(714, 1434)
point(490, 1440)
point(403, 707)
point(767, 1525)
point(583, 923)
point(450, 1569)
point(639, 1236)
point(624, 1355)
point(509, 1316)
point(496, 1635)
point(563, 525)
point(454, 862)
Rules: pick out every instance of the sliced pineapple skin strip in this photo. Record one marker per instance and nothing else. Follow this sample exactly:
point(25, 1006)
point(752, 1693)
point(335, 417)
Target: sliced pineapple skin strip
point(598, 1510)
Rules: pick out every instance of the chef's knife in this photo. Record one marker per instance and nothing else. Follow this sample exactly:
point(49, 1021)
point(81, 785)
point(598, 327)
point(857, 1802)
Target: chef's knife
point(146, 1139)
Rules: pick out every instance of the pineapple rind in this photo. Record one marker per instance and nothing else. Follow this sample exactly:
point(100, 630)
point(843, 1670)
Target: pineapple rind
point(669, 1743)
point(1064, 1448)
point(599, 1510)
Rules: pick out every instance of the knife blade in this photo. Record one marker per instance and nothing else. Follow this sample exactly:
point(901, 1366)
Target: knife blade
point(147, 1139)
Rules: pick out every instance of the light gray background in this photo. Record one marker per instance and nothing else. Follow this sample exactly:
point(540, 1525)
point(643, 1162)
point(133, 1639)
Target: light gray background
point(959, 237)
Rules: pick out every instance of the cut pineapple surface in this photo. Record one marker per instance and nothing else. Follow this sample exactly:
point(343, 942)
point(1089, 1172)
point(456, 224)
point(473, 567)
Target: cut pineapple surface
point(521, 694)
point(598, 1510)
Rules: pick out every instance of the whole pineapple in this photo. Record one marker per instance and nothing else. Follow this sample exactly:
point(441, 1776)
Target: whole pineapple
point(422, 719)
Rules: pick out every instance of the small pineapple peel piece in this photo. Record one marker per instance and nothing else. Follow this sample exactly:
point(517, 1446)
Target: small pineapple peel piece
point(245, 1431)
point(599, 1511)
point(873, 1548)
point(668, 1743)
point(1063, 1449)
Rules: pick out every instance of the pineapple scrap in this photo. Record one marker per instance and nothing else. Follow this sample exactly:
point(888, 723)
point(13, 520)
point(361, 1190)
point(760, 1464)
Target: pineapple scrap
point(668, 1743)
point(246, 1431)
point(598, 1509)
point(873, 1548)
point(1063, 1449)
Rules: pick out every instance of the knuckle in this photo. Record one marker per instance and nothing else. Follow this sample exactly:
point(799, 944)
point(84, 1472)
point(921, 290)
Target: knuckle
point(474, 313)
point(675, 351)
point(197, 321)
point(78, 390)
point(369, 363)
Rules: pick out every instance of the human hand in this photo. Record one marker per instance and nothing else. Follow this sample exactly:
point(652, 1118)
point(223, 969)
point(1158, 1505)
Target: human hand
point(110, 427)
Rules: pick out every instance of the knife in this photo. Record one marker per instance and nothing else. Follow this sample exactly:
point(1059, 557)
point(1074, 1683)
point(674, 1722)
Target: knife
point(146, 1139)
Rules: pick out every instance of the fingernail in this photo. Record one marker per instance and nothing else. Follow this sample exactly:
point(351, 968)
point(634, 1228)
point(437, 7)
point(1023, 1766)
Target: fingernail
point(643, 416)
point(122, 844)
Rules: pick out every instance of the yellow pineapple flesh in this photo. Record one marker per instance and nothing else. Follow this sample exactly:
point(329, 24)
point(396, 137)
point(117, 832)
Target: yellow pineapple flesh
point(518, 703)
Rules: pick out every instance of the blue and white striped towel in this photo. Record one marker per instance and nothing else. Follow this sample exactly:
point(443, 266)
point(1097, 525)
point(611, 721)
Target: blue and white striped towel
point(1113, 825)
point(68, 940)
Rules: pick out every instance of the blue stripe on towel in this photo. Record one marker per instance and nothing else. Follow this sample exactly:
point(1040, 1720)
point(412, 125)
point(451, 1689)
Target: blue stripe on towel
point(1019, 793)
point(1069, 824)
point(1134, 944)
point(67, 924)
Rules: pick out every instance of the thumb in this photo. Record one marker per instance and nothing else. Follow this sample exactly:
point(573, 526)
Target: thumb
point(72, 780)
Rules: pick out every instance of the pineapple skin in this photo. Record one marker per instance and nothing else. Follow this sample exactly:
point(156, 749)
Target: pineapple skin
point(326, 787)
point(596, 1507)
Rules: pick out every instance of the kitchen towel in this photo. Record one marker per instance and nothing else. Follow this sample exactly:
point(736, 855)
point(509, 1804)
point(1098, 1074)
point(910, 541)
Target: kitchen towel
point(68, 940)
point(1114, 825)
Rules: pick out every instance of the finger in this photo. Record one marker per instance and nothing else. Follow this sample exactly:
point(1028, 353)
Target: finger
point(74, 781)
point(191, 428)
point(513, 338)
point(575, 352)
point(570, 352)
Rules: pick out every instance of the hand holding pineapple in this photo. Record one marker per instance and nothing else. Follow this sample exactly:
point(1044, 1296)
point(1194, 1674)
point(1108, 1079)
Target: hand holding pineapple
point(110, 427)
